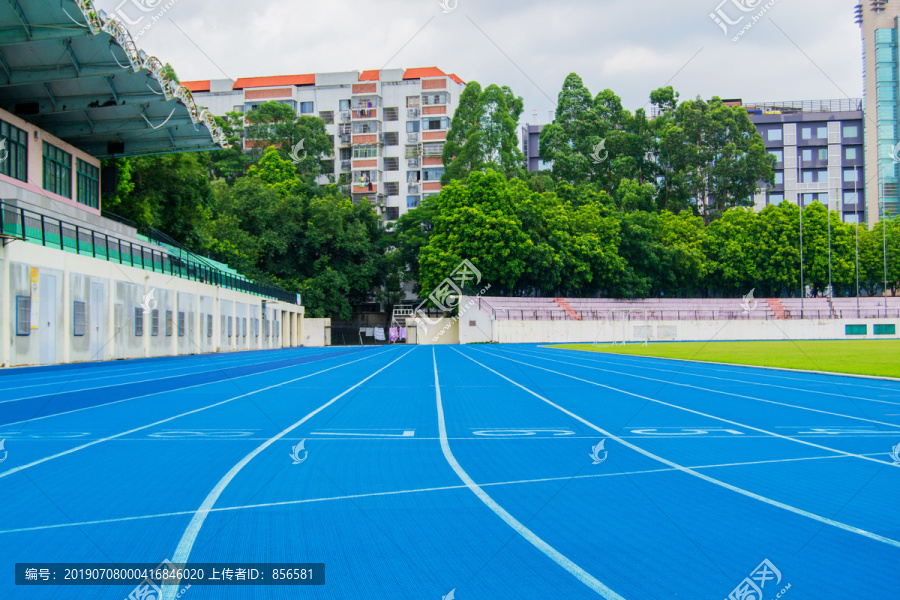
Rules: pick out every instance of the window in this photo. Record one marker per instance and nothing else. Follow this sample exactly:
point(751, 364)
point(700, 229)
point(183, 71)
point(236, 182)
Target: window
point(267, 330)
point(776, 198)
point(230, 321)
point(806, 133)
point(412, 102)
point(432, 173)
point(778, 154)
point(822, 154)
point(154, 322)
point(851, 218)
point(88, 184)
point(808, 199)
point(435, 123)
point(239, 108)
point(851, 198)
point(209, 326)
point(815, 176)
point(822, 132)
point(223, 325)
point(807, 155)
point(391, 113)
point(775, 135)
point(256, 327)
point(392, 138)
point(57, 171)
point(344, 105)
point(244, 327)
point(169, 323)
point(412, 127)
point(23, 315)
point(435, 149)
point(365, 151)
point(885, 329)
point(391, 163)
point(79, 324)
point(392, 188)
point(180, 323)
point(850, 153)
point(16, 163)
point(856, 329)
point(306, 108)
point(327, 116)
point(851, 131)
point(138, 321)
point(779, 177)
point(851, 175)
point(412, 201)
point(435, 98)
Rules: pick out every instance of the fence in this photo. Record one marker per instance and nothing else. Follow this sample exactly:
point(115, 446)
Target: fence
point(26, 225)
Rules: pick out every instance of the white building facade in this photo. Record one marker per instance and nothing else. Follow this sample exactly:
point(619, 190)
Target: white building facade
point(389, 127)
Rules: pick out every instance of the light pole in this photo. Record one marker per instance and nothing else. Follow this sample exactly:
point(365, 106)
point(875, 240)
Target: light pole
point(800, 204)
point(884, 235)
point(856, 195)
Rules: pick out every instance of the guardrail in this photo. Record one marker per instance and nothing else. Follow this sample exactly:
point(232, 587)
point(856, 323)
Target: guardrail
point(37, 228)
point(537, 314)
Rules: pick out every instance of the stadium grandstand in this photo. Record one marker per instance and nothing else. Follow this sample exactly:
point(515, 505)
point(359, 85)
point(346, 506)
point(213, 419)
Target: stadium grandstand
point(78, 283)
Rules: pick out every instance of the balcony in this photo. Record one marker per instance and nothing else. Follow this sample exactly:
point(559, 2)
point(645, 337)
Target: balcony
point(364, 113)
point(345, 139)
point(413, 163)
point(412, 188)
point(412, 137)
point(345, 165)
point(371, 188)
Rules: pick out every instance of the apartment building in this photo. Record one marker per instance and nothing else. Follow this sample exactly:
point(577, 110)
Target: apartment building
point(389, 126)
point(819, 149)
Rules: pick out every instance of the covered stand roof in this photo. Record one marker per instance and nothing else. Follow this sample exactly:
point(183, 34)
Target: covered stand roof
point(76, 73)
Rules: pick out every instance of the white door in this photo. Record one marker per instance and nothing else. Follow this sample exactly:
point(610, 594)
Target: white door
point(47, 327)
point(97, 318)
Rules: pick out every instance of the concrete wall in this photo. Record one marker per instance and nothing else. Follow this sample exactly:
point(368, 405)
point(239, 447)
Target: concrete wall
point(316, 332)
point(439, 331)
point(510, 332)
point(118, 307)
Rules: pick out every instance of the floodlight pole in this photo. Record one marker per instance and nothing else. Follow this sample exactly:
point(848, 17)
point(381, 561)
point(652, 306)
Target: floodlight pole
point(800, 204)
point(856, 195)
point(830, 286)
point(884, 235)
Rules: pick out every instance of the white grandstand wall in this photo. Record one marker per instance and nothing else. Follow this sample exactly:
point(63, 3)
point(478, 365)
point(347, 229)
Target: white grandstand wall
point(571, 331)
point(111, 293)
point(438, 332)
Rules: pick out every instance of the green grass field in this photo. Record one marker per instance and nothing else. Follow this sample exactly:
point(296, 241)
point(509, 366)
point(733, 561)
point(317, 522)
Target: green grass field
point(860, 357)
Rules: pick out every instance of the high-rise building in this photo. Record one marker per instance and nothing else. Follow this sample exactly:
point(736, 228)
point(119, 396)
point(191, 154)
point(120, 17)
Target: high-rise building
point(818, 146)
point(879, 22)
point(389, 127)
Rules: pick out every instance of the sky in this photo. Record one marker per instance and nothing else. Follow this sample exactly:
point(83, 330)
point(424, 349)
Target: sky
point(793, 50)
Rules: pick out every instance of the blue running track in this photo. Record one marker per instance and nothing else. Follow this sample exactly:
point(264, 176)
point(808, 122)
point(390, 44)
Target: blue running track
point(470, 469)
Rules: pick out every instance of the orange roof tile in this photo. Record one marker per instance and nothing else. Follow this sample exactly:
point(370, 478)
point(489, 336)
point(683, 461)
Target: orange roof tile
point(370, 75)
point(423, 72)
point(255, 82)
point(197, 86)
point(456, 78)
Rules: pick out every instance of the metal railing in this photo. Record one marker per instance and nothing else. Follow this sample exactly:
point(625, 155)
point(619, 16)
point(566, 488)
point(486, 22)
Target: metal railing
point(539, 314)
point(803, 106)
point(36, 228)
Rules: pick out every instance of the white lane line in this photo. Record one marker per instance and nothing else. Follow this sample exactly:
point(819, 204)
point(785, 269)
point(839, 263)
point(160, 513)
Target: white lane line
point(101, 387)
point(690, 374)
point(188, 387)
point(116, 374)
point(554, 555)
point(180, 513)
point(184, 414)
point(703, 414)
point(183, 551)
point(690, 471)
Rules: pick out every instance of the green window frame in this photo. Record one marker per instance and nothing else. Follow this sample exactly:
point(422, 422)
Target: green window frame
point(57, 171)
point(885, 329)
point(856, 329)
point(14, 151)
point(88, 184)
